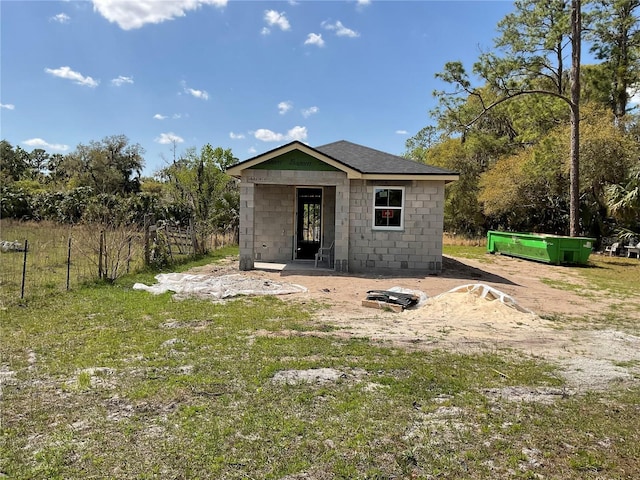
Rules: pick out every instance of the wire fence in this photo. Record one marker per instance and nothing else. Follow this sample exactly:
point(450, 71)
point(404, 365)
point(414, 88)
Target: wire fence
point(40, 258)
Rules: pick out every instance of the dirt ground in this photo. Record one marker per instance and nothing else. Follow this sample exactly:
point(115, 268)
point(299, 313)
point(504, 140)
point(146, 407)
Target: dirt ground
point(589, 356)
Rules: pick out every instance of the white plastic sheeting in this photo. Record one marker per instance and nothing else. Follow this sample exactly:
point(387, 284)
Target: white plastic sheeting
point(488, 293)
point(6, 246)
point(217, 287)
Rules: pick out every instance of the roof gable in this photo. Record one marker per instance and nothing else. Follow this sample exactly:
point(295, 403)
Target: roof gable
point(295, 160)
point(295, 146)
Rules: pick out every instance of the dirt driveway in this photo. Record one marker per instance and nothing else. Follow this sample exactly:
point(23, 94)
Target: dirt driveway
point(589, 357)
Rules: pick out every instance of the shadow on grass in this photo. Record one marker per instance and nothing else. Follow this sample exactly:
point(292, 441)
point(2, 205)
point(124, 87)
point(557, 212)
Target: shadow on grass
point(453, 268)
point(605, 262)
point(622, 264)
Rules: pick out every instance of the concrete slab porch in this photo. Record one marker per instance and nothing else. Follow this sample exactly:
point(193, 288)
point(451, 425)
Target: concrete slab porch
point(298, 266)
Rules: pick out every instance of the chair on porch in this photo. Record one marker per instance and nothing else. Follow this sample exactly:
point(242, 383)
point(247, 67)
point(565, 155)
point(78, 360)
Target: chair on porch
point(325, 253)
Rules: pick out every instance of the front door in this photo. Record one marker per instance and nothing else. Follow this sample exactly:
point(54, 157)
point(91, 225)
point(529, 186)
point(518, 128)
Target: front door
point(308, 222)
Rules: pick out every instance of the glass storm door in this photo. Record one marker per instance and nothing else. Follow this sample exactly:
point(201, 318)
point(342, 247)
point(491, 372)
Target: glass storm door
point(308, 222)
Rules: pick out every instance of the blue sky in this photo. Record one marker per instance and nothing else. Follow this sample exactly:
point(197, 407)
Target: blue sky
point(244, 75)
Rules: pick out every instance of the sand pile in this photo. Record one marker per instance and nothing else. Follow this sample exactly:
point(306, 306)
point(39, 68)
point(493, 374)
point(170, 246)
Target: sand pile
point(476, 308)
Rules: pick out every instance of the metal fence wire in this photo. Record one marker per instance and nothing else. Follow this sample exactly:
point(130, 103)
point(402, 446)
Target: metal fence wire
point(41, 258)
point(56, 261)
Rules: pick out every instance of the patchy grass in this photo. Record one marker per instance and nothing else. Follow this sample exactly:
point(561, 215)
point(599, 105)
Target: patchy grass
point(109, 382)
point(568, 286)
point(615, 276)
point(461, 240)
point(464, 247)
point(612, 278)
point(619, 276)
point(468, 251)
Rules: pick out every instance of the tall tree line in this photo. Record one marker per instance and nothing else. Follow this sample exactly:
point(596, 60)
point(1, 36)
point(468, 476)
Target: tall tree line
point(102, 181)
point(542, 142)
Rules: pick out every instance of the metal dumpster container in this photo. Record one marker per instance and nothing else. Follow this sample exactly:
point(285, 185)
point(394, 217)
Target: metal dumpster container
point(554, 249)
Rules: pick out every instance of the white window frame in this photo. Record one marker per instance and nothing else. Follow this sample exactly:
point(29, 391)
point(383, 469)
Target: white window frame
point(399, 209)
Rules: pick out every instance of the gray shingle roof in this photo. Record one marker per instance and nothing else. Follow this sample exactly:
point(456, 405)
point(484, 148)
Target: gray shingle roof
point(368, 160)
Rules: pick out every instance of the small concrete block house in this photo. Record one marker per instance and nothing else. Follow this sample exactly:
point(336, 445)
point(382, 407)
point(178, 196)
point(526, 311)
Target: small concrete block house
point(365, 210)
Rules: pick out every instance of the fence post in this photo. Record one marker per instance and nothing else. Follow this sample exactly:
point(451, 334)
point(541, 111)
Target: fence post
point(105, 262)
point(194, 239)
point(68, 263)
point(100, 255)
point(129, 254)
point(24, 268)
point(147, 248)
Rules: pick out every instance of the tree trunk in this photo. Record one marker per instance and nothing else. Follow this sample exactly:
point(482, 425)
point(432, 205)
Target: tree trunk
point(574, 172)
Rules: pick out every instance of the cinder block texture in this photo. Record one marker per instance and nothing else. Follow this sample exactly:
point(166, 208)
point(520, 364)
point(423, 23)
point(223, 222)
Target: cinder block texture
point(273, 222)
point(416, 249)
point(267, 221)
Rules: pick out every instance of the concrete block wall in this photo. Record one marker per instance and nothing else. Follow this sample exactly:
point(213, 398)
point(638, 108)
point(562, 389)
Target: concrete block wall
point(328, 215)
point(246, 239)
point(342, 232)
point(267, 229)
point(273, 223)
point(415, 249)
point(267, 233)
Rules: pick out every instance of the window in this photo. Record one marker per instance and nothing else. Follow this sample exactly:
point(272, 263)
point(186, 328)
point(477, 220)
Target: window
point(388, 204)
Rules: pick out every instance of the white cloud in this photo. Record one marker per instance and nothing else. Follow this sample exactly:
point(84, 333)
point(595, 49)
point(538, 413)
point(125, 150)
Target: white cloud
point(197, 93)
point(76, 77)
point(40, 143)
point(252, 150)
point(284, 107)
point(118, 82)
point(236, 136)
point(307, 112)
point(340, 29)
point(296, 133)
point(314, 39)
point(268, 136)
point(202, 94)
point(363, 3)
point(132, 14)
point(175, 116)
point(402, 132)
point(60, 18)
point(276, 19)
point(168, 138)
point(265, 31)
point(8, 106)
point(634, 98)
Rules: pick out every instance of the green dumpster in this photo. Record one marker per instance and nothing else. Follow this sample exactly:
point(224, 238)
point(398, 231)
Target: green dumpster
point(541, 247)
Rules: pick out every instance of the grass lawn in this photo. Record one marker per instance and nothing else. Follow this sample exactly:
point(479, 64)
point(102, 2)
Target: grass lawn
point(109, 382)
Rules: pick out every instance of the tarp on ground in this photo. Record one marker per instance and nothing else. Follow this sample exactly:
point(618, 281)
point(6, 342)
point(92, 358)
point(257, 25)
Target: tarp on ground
point(217, 287)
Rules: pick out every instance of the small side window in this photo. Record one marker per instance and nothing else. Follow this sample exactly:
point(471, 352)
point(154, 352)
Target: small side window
point(388, 206)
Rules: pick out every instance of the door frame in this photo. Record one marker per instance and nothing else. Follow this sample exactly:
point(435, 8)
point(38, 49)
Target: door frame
point(296, 214)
